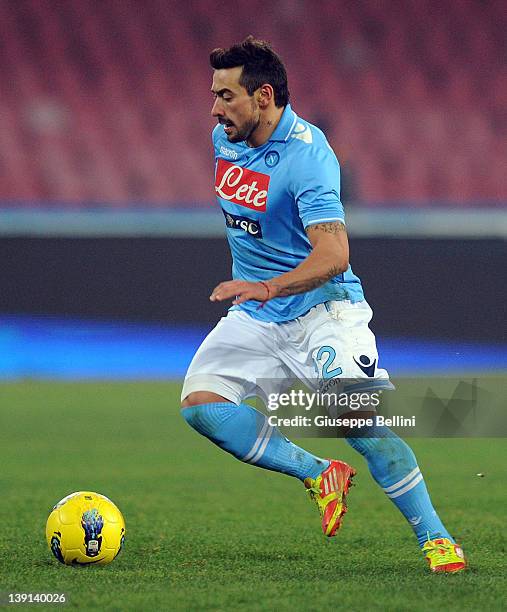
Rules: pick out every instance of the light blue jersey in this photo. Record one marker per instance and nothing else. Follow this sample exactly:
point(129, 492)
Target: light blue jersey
point(269, 195)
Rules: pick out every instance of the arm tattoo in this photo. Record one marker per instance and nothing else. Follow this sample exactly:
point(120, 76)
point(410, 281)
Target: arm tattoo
point(333, 227)
point(301, 286)
point(304, 285)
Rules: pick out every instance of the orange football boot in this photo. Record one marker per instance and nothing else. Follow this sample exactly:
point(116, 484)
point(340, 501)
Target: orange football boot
point(329, 491)
point(444, 556)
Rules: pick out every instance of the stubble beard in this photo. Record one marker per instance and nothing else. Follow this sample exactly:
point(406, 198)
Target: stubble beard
point(246, 130)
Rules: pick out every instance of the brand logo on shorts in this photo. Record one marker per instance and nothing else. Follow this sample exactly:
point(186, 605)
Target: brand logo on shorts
point(250, 226)
point(242, 186)
point(366, 365)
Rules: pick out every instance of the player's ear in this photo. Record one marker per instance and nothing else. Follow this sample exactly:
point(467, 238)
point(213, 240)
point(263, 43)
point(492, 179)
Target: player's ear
point(265, 94)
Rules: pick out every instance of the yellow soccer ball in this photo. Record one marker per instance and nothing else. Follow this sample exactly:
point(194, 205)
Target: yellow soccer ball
point(85, 528)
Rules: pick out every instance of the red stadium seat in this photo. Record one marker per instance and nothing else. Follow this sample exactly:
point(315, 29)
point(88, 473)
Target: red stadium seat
point(108, 102)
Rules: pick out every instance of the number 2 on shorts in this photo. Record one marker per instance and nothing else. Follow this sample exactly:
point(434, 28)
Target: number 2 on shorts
point(331, 354)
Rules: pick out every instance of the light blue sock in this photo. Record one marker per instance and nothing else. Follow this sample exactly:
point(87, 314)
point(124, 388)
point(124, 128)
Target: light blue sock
point(245, 433)
point(394, 467)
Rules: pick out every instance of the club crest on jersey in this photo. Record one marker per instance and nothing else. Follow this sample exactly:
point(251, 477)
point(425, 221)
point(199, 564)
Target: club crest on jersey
point(241, 186)
point(271, 158)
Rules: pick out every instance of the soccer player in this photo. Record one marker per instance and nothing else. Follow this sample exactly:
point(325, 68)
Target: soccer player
point(297, 307)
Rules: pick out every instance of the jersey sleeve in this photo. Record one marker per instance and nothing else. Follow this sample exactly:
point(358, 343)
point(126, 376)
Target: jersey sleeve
point(214, 137)
point(316, 184)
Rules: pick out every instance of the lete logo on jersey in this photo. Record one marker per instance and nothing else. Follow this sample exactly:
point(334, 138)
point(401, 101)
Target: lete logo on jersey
point(241, 186)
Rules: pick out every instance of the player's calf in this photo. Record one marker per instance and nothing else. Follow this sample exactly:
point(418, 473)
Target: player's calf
point(246, 434)
point(394, 467)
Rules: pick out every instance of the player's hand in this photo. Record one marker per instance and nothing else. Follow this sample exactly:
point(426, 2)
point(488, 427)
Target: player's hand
point(241, 291)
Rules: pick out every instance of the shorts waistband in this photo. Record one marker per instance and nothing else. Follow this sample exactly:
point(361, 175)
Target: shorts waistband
point(333, 306)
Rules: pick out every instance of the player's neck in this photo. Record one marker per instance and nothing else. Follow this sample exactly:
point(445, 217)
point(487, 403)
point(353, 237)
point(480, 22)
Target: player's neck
point(268, 123)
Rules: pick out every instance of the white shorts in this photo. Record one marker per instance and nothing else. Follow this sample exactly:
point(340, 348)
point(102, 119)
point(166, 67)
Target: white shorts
point(243, 357)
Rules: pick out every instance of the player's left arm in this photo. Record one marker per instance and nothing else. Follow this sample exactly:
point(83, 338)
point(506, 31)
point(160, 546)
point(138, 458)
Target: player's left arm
point(329, 257)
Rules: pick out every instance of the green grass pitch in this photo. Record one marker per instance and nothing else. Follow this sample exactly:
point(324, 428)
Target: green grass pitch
point(206, 532)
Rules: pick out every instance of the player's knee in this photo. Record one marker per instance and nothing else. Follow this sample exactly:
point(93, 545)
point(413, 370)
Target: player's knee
point(206, 412)
point(197, 398)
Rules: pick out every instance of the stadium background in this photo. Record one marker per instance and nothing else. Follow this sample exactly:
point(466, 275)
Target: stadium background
point(106, 201)
point(110, 239)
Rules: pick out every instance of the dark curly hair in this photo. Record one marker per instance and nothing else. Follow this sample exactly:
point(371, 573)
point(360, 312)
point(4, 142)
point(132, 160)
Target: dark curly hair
point(260, 65)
